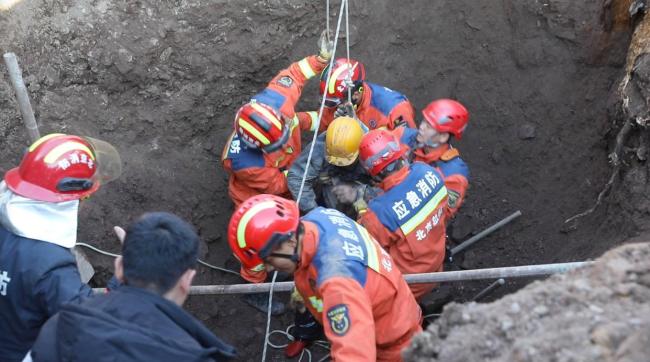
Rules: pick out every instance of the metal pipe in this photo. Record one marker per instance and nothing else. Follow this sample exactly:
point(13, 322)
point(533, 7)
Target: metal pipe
point(451, 276)
point(467, 243)
point(26, 110)
point(493, 273)
point(490, 288)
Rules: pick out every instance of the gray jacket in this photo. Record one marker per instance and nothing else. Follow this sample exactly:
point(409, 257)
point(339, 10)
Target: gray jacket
point(322, 177)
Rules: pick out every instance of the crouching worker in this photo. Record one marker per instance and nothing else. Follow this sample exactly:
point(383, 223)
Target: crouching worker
point(266, 140)
point(141, 320)
point(39, 206)
point(409, 219)
point(345, 278)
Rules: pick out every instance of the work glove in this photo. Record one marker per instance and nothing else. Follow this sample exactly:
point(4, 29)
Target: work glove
point(345, 110)
point(325, 46)
point(351, 194)
point(296, 302)
point(345, 193)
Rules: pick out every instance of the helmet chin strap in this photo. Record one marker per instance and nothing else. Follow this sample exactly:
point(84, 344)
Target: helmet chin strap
point(293, 257)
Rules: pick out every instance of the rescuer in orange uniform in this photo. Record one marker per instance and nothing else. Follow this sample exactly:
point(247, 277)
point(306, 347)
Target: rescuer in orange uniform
point(266, 139)
point(444, 120)
point(409, 218)
point(374, 105)
point(348, 282)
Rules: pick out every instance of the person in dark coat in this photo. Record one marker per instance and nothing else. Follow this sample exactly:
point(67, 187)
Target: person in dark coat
point(141, 319)
point(39, 207)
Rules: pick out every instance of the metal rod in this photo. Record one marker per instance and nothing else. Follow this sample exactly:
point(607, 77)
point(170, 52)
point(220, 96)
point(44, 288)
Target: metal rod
point(490, 288)
point(467, 243)
point(451, 276)
point(26, 110)
point(493, 273)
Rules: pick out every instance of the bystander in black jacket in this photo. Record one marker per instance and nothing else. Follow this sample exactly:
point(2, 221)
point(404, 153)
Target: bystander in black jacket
point(127, 324)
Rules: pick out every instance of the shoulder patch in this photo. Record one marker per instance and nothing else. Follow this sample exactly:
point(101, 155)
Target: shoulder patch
point(285, 81)
point(339, 319)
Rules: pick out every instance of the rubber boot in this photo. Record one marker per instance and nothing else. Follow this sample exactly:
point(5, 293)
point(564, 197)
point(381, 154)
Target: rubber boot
point(306, 330)
point(294, 349)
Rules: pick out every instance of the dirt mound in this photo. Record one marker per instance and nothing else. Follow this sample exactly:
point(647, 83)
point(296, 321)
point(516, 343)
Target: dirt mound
point(597, 313)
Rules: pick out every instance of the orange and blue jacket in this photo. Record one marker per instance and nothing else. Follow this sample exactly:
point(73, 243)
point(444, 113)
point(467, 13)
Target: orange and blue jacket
point(409, 220)
point(379, 107)
point(354, 289)
point(445, 159)
point(254, 172)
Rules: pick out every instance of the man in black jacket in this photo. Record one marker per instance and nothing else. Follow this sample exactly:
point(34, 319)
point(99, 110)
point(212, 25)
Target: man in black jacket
point(142, 319)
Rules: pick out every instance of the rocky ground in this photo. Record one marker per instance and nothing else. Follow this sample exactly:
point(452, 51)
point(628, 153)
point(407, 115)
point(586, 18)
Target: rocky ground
point(597, 313)
point(162, 81)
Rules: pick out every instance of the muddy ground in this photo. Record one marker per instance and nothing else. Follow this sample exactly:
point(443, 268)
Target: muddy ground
point(162, 81)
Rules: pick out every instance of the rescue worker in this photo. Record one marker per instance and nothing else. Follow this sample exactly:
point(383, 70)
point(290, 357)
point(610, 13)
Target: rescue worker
point(334, 162)
point(266, 139)
point(142, 319)
point(39, 203)
point(444, 120)
point(349, 283)
point(375, 105)
point(409, 218)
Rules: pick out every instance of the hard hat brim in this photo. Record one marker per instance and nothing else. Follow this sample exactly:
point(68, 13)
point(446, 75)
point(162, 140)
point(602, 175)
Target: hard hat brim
point(26, 189)
point(342, 161)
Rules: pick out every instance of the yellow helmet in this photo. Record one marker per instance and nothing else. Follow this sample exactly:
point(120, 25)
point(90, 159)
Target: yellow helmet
point(342, 141)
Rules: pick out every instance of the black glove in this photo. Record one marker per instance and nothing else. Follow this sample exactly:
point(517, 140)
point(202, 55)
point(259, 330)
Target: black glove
point(306, 327)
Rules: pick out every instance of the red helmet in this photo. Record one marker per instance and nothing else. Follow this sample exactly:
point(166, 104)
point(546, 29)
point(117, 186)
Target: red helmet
point(379, 148)
point(261, 126)
point(60, 167)
point(447, 115)
point(334, 87)
point(258, 225)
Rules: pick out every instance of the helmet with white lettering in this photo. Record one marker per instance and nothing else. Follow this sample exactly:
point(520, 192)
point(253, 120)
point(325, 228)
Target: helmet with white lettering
point(334, 85)
point(60, 167)
point(379, 149)
point(259, 224)
point(447, 115)
point(261, 126)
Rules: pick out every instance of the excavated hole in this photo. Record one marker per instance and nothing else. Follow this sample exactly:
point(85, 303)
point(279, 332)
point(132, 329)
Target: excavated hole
point(162, 81)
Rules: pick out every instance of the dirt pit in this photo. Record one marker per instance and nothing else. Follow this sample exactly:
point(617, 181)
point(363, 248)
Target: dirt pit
point(162, 82)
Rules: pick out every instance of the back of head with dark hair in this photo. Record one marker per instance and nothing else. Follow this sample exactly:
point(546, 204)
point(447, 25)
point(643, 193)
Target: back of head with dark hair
point(159, 247)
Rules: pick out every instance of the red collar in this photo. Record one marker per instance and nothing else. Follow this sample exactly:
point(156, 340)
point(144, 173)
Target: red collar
point(429, 155)
point(394, 178)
